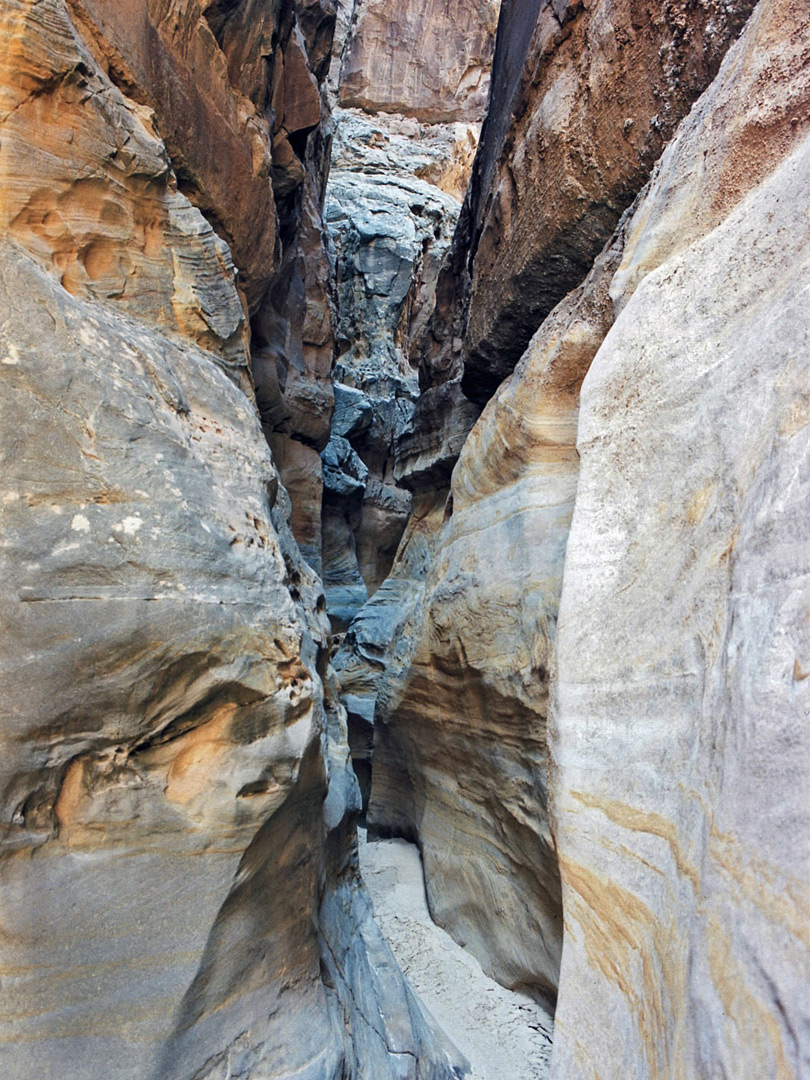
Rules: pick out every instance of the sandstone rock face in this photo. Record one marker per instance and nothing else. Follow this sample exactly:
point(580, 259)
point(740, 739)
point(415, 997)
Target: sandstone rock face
point(425, 58)
point(680, 741)
point(680, 642)
point(585, 98)
point(178, 865)
point(460, 744)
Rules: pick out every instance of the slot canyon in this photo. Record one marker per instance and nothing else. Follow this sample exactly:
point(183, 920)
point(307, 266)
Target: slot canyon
point(405, 540)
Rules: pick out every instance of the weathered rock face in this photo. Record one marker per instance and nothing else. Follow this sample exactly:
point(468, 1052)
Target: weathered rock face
point(460, 743)
point(292, 343)
point(389, 232)
point(179, 876)
point(586, 97)
point(680, 742)
point(423, 58)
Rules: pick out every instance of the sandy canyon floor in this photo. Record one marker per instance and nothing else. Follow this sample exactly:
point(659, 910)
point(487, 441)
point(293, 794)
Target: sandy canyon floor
point(504, 1035)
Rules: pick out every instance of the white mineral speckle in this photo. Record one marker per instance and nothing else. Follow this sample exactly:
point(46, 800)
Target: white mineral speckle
point(80, 523)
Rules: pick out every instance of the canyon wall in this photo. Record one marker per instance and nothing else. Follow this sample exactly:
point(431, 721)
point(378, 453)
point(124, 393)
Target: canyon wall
point(179, 877)
point(587, 95)
point(460, 757)
point(659, 525)
point(502, 499)
point(679, 738)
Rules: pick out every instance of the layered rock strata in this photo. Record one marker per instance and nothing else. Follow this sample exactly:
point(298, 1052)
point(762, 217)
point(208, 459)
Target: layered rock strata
point(679, 737)
point(292, 342)
point(400, 165)
point(460, 757)
point(179, 876)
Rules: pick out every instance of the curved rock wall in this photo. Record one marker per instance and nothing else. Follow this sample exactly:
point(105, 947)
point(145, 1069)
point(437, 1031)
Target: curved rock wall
point(582, 674)
point(680, 743)
point(677, 656)
point(460, 756)
point(178, 863)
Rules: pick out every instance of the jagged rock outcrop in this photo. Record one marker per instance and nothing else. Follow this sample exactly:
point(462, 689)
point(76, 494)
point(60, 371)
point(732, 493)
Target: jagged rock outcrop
point(178, 863)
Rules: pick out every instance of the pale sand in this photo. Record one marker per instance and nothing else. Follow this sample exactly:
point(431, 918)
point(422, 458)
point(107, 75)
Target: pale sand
point(503, 1034)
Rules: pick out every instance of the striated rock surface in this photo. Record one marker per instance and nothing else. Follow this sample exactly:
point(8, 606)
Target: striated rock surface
point(584, 99)
point(178, 864)
point(460, 747)
point(680, 741)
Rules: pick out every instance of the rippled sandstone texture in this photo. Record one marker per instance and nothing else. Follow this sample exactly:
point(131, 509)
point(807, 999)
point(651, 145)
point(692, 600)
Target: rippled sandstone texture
point(178, 865)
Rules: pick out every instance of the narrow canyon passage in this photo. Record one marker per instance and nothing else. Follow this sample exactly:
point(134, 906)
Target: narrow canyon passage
point(404, 431)
point(504, 1035)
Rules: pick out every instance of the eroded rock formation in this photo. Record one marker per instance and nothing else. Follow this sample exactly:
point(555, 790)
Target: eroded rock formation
point(544, 197)
point(678, 657)
point(179, 877)
point(406, 130)
point(568, 469)
point(680, 741)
